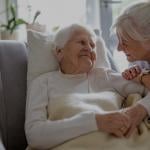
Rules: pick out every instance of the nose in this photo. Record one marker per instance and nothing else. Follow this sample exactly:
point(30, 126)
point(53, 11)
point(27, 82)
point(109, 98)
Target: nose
point(88, 47)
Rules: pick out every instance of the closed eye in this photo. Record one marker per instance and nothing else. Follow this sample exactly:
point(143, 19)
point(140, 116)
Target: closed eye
point(82, 42)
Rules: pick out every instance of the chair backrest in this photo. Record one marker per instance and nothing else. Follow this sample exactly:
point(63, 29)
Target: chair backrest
point(13, 74)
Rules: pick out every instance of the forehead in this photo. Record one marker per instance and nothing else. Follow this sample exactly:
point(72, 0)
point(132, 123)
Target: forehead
point(81, 33)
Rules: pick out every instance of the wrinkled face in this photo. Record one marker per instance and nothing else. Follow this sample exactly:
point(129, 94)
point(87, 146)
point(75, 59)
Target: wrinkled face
point(78, 54)
point(134, 50)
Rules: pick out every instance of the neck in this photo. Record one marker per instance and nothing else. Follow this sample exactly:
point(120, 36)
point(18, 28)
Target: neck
point(72, 69)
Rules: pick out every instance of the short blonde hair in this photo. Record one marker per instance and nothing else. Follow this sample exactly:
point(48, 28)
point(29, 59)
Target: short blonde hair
point(135, 22)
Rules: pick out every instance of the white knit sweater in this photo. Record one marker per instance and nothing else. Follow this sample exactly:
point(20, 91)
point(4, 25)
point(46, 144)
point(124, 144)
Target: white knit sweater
point(43, 133)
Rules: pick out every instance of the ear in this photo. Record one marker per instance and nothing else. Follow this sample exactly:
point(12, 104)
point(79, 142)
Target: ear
point(59, 54)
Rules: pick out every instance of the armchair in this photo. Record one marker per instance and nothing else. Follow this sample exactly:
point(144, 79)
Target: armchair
point(13, 70)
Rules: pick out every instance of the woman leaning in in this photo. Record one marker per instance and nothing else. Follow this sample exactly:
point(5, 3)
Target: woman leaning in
point(133, 31)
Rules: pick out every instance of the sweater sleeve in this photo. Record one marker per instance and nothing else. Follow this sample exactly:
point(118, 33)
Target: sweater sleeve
point(42, 133)
point(126, 87)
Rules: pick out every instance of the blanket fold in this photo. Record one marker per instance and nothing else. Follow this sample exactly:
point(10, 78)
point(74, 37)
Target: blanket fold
point(103, 141)
point(70, 105)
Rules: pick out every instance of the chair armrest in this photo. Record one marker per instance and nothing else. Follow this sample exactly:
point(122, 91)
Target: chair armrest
point(1, 144)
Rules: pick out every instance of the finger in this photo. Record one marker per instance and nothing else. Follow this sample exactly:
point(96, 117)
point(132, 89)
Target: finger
point(118, 133)
point(123, 130)
point(130, 131)
point(126, 121)
point(133, 72)
point(130, 73)
point(138, 69)
point(125, 75)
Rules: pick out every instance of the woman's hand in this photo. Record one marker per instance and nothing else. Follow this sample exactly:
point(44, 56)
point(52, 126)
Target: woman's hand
point(116, 123)
point(132, 72)
point(136, 114)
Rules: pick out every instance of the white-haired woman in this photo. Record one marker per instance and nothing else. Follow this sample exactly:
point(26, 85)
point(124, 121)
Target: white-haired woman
point(75, 51)
point(133, 31)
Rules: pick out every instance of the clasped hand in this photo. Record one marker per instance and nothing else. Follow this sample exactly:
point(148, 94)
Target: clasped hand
point(121, 123)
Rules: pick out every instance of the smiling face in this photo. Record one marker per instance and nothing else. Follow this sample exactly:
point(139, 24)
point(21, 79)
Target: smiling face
point(133, 49)
point(78, 55)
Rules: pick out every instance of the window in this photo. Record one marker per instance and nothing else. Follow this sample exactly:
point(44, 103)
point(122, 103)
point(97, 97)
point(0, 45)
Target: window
point(56, 12)
point(100, 14)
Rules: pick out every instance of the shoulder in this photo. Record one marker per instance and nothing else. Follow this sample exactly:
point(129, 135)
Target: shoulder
point(43, 79)
point(106, 71)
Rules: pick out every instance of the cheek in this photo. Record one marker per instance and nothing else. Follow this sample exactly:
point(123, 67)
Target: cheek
point(136, 54)
point(73, 57)
point(93, 56)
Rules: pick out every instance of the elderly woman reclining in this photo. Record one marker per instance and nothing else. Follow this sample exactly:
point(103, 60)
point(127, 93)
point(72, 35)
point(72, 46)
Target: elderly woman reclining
point(75, 51)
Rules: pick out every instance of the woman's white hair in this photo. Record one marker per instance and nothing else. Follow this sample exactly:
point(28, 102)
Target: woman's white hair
point(135, 22)
point(65, 33)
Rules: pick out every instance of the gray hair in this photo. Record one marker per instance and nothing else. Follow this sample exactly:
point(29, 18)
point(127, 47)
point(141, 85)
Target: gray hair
point(135, 21)
point(65, 33)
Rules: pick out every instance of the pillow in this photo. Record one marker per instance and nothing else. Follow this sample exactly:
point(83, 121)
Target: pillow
point(40, 57)
point(42, 60)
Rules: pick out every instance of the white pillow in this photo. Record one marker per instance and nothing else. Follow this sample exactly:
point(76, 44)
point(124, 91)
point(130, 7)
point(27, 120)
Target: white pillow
point(41, 58)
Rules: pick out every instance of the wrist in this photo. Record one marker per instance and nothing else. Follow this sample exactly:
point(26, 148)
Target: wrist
point(141, 109)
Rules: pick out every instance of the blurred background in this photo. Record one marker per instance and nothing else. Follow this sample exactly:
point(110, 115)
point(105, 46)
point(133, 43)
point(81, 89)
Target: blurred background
point(16, 16)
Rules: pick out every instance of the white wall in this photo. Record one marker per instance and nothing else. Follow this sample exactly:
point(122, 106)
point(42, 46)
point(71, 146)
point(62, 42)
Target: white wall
point(2, 9)
point(2, 13)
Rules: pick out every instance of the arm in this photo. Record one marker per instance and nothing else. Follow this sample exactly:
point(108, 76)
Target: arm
point(122, 86)
point(125, 87)
point(141, 109)
point(119, 121)
point(43, 133)
point(137, 113)
point(135, 73)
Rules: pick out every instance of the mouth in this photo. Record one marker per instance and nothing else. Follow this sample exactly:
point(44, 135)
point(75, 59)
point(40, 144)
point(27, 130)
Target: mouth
point(87, 56)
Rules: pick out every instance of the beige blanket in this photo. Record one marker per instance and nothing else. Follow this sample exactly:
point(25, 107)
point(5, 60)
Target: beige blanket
point(69, 105)
point(99, 140)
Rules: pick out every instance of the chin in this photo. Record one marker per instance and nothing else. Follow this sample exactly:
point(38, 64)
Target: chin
point(87, 67)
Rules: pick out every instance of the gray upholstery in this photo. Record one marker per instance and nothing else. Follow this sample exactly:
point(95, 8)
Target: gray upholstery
point(13, 70)
point(1, 144)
